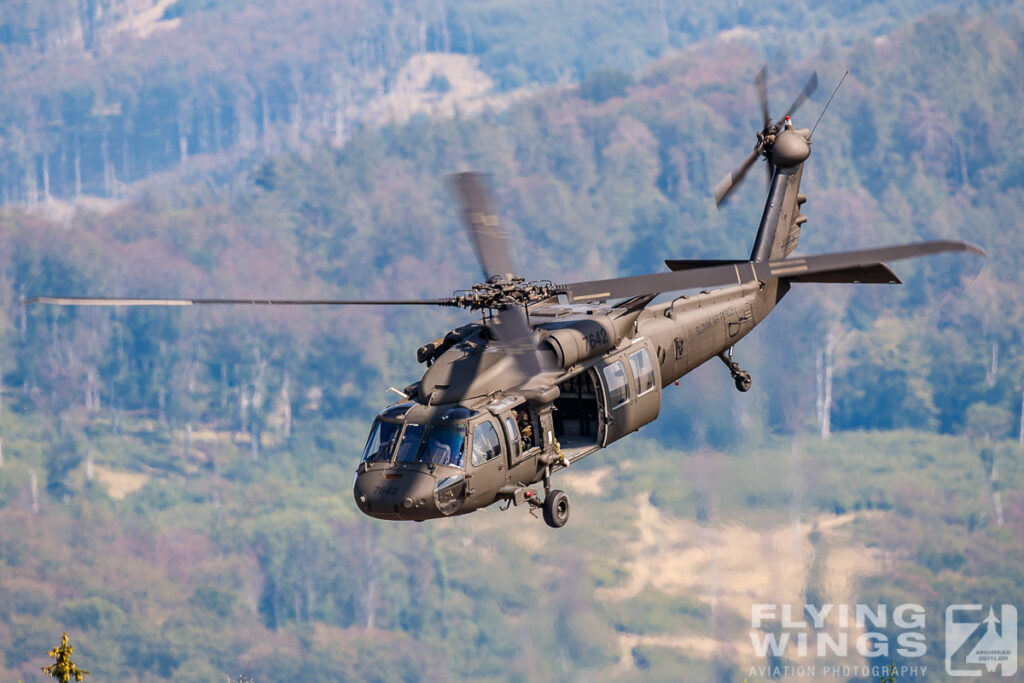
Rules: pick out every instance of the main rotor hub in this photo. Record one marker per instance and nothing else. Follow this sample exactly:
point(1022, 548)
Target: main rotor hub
point(498, 294)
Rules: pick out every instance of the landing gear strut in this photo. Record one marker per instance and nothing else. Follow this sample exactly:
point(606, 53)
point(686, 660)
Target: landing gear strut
point(740, 376)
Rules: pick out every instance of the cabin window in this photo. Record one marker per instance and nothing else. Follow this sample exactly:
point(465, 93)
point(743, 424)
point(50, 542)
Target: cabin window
point(485, 443)
point(410, 443)
point(616, 384)
point(443, 445)
point(378, 446)
point(643, 371)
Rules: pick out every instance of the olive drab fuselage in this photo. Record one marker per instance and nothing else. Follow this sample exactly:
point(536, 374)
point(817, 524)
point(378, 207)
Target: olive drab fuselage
point(612, 360)
point(677, 336)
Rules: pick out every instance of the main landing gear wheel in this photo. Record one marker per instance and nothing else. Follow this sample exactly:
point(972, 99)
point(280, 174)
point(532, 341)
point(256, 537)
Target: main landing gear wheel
point(556, 509)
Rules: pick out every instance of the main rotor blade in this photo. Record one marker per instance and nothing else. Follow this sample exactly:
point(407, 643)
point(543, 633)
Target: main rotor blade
point(510, 326)
point(732, 180)
point(489, 241)
point(809, 88)
point(761, 84)
point(102, 301)
point(738, 273)
point(517, 337)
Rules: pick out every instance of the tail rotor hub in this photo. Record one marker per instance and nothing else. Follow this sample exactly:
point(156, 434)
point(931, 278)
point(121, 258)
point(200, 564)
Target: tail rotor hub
point(794, 148)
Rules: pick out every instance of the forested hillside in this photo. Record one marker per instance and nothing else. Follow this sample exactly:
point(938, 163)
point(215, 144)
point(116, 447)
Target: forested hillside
point(175, 484)
point(100, 93)
point(588, 188)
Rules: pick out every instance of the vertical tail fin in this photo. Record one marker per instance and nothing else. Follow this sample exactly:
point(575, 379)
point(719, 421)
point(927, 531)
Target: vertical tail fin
point(779, 231)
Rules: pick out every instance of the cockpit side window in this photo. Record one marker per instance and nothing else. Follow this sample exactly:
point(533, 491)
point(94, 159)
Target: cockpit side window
point(410, 443)
point(485, 444)
point(443, 445)
point(378, 446)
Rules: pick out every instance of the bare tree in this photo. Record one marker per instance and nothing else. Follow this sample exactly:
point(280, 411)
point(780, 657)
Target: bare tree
point(286, 400)
point(34, 492)
point(1020, 431)
point(824, 369)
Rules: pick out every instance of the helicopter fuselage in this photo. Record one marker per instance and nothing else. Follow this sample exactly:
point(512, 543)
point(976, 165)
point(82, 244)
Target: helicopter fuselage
point(599, 372)
point(515, 437)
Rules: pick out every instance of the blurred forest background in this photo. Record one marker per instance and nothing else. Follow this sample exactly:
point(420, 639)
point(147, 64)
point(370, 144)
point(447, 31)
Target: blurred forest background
point(175, 484)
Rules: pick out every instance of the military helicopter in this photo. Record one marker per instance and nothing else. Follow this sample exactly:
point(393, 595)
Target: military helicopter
point(552, 372)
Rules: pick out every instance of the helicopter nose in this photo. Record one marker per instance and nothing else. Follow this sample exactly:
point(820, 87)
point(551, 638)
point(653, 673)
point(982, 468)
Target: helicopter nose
point(395, 494)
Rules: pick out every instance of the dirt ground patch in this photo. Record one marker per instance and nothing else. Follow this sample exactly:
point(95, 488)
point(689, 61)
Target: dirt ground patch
point(147, 21)
point(119, 485)
point(439, 85)
point(731, 567)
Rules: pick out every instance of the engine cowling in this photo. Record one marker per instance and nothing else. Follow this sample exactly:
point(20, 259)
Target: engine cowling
point(581, 339)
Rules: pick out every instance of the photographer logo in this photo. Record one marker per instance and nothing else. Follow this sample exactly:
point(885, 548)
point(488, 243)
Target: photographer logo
point(978, 644)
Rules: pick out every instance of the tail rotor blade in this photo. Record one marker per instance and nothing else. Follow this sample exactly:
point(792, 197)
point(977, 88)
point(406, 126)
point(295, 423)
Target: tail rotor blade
point(489, 241)
point(809, 88)
point(761, 84)
point(732, 180)
point(765, 138)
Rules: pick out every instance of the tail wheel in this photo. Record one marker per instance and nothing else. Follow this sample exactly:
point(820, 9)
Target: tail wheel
point(743, 381)
point(556, 509)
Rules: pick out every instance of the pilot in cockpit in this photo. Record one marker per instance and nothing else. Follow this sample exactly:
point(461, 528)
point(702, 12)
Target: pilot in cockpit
point(444, 445)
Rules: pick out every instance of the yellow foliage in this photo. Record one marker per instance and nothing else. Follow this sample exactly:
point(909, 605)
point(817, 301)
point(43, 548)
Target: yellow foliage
point(63, 668)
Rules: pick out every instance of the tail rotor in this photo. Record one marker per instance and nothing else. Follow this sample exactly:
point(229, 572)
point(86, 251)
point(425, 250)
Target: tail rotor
point(767, 136)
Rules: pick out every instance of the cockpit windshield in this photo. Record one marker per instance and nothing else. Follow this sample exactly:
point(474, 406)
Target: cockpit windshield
point(434, 444)
point(410, 443)
point(443, 445)
point(397, 411)
point(378, 446)
point(439, 443)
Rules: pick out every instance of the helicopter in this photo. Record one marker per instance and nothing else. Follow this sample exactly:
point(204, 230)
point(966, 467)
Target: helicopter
point(551, 373)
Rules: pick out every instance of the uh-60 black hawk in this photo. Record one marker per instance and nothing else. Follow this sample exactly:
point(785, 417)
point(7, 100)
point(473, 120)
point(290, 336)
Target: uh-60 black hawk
point(553, 372)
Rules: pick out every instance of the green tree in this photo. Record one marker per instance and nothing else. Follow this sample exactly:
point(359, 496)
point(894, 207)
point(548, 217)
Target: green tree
point(63, 669)
point(603, 84)
point(988, 421)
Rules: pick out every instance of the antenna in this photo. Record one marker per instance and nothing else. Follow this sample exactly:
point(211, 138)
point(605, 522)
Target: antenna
point(845, 74)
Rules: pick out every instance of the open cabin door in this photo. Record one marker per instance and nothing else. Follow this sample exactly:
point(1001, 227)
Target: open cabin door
point(523, 434)
point(577, 415)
